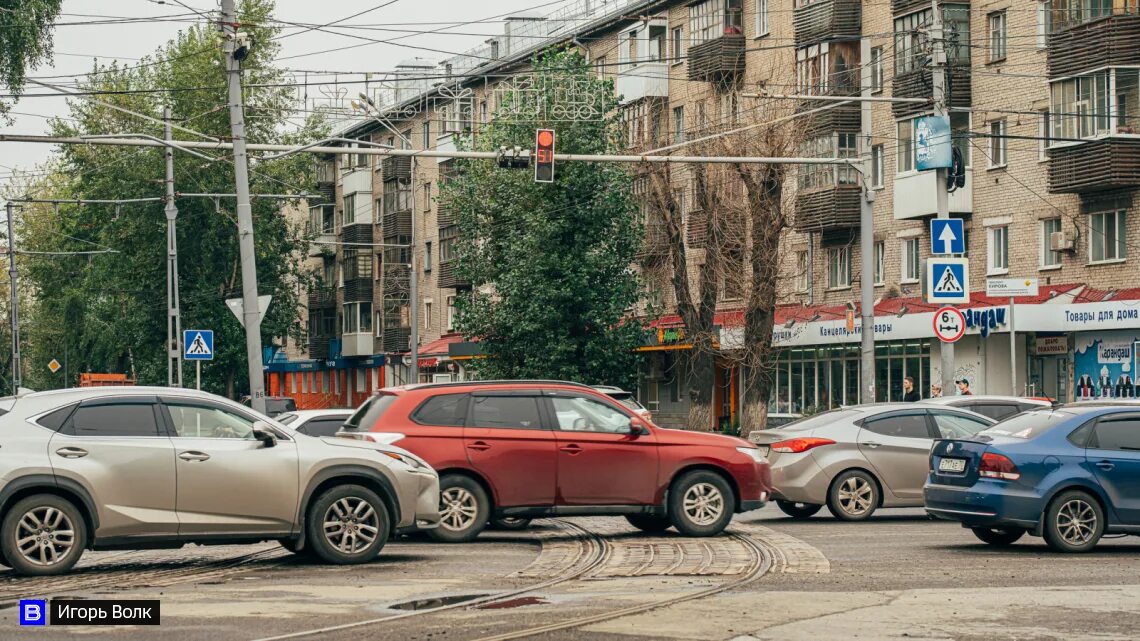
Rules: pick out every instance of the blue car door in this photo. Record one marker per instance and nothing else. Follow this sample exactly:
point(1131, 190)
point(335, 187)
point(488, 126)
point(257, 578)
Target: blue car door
point(1113, 452)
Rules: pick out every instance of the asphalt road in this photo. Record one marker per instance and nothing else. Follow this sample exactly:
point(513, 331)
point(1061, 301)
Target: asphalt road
point(898, 576)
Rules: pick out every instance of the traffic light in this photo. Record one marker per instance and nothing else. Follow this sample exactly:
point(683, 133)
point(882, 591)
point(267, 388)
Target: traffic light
point(544, 156)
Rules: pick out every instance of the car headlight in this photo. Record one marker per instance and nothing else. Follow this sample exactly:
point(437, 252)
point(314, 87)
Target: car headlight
point(411, 462)
point(754, 452)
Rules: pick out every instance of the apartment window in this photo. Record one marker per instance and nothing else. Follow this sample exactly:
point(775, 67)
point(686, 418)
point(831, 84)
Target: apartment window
point(678, 45)
point(876, 69)
point(450, 313)
point(997, 36)
point(848, 147)
point(483, 112)
point(600, 67)
point(1074, 12)
point(705, 21)
point(910, 260)
point(1080, 106)
point(1049, 258)
point(427, 197)
point(360, 160)
point(349, 206)
point(838, 267)
point(447, 238)
point(357, 318)
point(427, 134)
point(322, 219)
point(906, 146)
point(656, 43)
point(1043, 136)
point(397, 195)
point(998, 254)
point(761, 18)
point(877, 166)
point(813, 69)
point(627, 50)
point(427, 256)
point(1107, 239)
point(802, 271)
point(880, 261)
point(999, 148)
point(358, 263)
point(427, 313)
point(912, 38)
point(1044, 23)
point(678, 124)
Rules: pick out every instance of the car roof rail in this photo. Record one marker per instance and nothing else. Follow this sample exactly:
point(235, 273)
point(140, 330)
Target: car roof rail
point(520, 381)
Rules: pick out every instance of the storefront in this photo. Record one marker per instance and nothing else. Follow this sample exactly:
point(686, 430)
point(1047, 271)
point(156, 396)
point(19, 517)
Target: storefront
point(313, 384)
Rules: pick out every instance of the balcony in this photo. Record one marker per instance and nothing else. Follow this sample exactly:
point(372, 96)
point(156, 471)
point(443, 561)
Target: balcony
point(395, 340)
point(718, 59)
point(643, 80)
point(320, 297)
point(319, 346)
point(396, 167)
point(1096, 165)
point(357, 344)
point(829, 208)
point(398, 223)
point(357, 180)
point(357, 289)
point(447, 276)
point(357, 233)
point(919, 83)
point(915, 195)
point(1102, 42)
point(654, 244)
point(827, 20)
point(445, 215)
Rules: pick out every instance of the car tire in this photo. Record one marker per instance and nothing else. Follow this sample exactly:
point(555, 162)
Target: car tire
point(853, 496)
point(347, 524)
point(701, 503)
point(1074, 522)
point(798, 510)
point(464, 509)
point(60, 531)
point(649, 522)
point(999, 536)
point(510, 524)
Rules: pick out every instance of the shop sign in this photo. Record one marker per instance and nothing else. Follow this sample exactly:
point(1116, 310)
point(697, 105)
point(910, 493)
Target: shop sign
point(1051, 345)
point(428, 362)
point(986, 320)
point(1114, 351)
point(1008, 287)
point(670, 335)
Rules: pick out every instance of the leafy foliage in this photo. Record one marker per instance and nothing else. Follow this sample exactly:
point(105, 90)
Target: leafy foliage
point(25, 39)
point(549, 264)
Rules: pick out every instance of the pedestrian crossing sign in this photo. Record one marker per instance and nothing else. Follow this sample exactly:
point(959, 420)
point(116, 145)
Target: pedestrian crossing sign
point(198, 344)
point(947, 280)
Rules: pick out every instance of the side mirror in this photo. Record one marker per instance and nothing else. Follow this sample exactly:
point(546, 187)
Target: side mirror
point(637, 427)
point(262, 433)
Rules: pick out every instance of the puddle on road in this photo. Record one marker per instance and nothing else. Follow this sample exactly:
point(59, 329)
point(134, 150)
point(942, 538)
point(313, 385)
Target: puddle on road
point(428, 604)
point(514, 603)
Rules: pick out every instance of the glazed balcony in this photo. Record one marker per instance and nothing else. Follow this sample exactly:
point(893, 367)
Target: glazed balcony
point(1080, 43)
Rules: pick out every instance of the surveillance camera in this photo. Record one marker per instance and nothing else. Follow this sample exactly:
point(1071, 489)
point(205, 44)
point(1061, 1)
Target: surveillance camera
point(242, 43)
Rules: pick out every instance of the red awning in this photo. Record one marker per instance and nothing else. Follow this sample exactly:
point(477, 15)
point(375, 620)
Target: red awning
point(438, 347)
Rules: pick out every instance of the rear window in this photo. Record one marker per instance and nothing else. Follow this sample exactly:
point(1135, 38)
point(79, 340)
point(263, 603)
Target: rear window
point(1027, 425)
point(819, 420)
point(370, 412)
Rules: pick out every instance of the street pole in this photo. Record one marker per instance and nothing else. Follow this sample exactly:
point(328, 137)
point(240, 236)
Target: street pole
point(1012, 351)
point(413, 290)
point(866, 233)
point(198, 375)
point(173, 314)
point(15, 311)
point(938, 80)
point(251, 310)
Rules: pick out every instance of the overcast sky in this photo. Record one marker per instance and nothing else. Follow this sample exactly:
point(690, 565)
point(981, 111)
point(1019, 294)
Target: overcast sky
point(76, 47)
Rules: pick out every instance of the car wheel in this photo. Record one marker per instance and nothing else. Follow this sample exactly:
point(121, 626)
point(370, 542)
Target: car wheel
point(853, 496)
point(798, 510)
point(648, 522)
point(999, 536)
point(1074, 522)
point(510, 523)
point(701, 504)
point(43, 534)
point(347, 524)
point(463, 509)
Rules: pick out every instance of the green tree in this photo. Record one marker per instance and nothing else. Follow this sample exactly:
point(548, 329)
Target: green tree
point(25, 40)
point(108, 310)
point(550, 264)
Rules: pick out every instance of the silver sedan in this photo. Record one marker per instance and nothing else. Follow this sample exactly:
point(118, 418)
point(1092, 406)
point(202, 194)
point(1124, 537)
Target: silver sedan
point(860, 458)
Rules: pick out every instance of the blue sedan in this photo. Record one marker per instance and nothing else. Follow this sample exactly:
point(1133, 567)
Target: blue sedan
point(1070, 475)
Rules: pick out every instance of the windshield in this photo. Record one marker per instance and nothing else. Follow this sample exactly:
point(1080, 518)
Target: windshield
point(819, 420)
point(366, 416)
point(1028, 425)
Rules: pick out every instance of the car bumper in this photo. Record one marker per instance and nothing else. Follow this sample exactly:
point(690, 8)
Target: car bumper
point(798, 478)
point(748, 506)
point(419, 502)
point(985, 504)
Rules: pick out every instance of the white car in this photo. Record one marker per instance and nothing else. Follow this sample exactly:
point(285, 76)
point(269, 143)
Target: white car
point(315, 422)
point(627, 399)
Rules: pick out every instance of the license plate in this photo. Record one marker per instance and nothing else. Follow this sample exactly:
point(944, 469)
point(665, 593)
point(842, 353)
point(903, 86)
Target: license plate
point(764, 449)
point(952, 465)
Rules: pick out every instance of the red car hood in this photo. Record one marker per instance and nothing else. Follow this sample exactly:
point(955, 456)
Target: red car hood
point(669, 436)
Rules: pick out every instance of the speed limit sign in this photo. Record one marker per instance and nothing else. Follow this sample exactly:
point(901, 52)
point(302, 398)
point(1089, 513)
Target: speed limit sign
point(949, 324)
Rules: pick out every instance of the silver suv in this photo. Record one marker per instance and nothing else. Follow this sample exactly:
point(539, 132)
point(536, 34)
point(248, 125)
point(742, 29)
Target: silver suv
point(130, 468)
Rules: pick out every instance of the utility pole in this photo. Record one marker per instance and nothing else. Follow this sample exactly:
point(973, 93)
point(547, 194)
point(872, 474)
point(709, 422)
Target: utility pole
point(938, 80)
point(15, 311)
point(414, 288)
point(173, 313)
point(866, 232)
point(235, 53)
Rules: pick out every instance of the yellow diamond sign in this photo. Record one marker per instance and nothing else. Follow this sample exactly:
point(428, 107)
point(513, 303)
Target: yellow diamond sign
point(54, 366)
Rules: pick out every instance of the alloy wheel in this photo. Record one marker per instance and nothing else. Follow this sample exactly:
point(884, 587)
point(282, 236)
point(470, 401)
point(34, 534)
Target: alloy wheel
point(457, 508)
point(351, 524)
point(1076, 522)
point(44, 536)
point(703, 503)
point(856, 496)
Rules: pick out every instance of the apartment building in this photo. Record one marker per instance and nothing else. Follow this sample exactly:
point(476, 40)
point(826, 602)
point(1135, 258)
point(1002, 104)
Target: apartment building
point(1044, 107)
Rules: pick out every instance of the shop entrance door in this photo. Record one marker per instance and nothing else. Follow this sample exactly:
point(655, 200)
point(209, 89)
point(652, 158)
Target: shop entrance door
point(1048, 376)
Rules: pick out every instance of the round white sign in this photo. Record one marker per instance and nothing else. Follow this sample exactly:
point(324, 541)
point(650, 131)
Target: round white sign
point(949, 324)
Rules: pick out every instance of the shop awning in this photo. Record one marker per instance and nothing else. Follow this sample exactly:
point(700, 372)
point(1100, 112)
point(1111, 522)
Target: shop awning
point(440, 346)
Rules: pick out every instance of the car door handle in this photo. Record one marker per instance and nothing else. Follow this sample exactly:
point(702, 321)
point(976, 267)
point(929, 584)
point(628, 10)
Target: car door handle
point(194, 456)
point(571, 449)
point(1105, 465)
point(478, 446)
point(71, 452)
point(872, 444)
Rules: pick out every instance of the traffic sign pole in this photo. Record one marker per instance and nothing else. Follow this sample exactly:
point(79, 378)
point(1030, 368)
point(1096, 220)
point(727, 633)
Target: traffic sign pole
point(198, 375)
point(1012, 351)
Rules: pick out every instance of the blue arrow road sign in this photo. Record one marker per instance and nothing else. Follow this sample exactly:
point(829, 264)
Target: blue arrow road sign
point(198, 344)
point(947, 280)
point(947, 236)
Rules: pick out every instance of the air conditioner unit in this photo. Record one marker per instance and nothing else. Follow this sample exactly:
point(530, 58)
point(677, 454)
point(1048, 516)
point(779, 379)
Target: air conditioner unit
point(1061, 241)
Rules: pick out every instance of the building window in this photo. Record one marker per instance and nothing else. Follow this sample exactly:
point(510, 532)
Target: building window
point(912, 37)
point(911, 261)
point(427, 256)
point(838, 267)
point(450, 313)
point(397, 195)
point(357, 264)
point(1050, 258)
point(1044, 23)
point(678, 124)
point(999, 148)
point(357, 318)
point(802, 269)
point(1082, 107)
point(349, 213)
point(447, 238)
point(906, 146)
point(998, 254)
point(877, 166)
point(427, 197)
point(880, 261)
point(426, 137)
point(876, 69)
point(600, 67)
point(427, 313)
point(678, 45)
point(1070, 13)
point(1107, 238)
point(761, 18)
point(997, 36)
point(322, 219)
point(715, 18)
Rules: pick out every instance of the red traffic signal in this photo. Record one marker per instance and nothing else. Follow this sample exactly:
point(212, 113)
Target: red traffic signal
point(544, 156)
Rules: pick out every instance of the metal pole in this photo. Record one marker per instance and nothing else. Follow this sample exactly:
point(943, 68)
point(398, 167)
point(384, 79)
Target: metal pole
point(15, 311)
point(198, 375)
point(173, 315)
point(1012, 351)
point(251, 311)
point(866, 235)
point(413, 290)
point(938, 78)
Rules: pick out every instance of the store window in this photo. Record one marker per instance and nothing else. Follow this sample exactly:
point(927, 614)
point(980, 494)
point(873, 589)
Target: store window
point(807, 380)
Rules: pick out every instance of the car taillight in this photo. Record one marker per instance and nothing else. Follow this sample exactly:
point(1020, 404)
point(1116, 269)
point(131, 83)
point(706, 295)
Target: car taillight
point(997, 466)
point(797, 445)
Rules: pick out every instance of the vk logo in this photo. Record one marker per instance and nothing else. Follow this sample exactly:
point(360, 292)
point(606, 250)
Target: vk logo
point(33, 612)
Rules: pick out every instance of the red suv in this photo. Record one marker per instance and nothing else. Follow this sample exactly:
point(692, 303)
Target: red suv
point(508, 451)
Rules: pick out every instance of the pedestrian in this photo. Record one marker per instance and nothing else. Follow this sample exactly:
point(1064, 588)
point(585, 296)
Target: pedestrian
point(964, 387)
point(936, 391)
point(910, 395)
